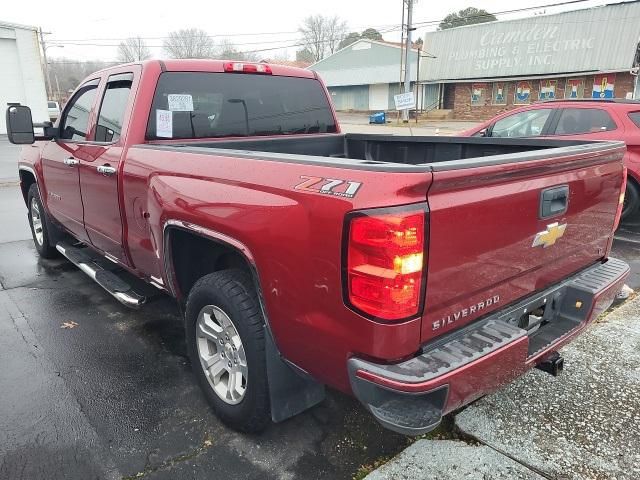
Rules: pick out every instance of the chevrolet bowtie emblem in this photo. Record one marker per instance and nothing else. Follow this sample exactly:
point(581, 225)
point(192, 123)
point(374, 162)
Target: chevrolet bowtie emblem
point(549, 236)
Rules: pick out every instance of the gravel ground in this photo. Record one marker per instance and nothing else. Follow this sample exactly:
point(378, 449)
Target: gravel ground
point(583, 424)
point(451, 459)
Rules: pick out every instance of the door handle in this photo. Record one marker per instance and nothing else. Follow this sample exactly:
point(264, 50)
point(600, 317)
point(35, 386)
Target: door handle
point(71, 162)
point(106, 170)
point(554, 201)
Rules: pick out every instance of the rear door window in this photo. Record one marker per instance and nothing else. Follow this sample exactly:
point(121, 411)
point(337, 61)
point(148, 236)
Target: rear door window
point(530, 123)
point(208, 105)
point(114, 104)
point(575, 121)
point(635, 118)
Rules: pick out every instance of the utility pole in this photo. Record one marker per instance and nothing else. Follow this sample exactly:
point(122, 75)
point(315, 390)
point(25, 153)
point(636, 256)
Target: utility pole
point(407, 57)
point(46, 64)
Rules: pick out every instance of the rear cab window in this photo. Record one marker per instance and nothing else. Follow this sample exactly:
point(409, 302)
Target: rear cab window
point(635, 118)
point(575, 121)
point(190, 105)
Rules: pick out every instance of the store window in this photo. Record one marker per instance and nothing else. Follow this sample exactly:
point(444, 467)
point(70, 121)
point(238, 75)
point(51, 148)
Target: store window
point(500, 93)
point(522, 95)
point(479, 93)
point(603, 86)
point(574, 88)
point(548, 89)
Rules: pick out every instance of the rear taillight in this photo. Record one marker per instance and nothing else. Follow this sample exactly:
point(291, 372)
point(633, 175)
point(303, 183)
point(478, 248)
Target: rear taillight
point(385, 261)
point(621, 199)
point(241, 67)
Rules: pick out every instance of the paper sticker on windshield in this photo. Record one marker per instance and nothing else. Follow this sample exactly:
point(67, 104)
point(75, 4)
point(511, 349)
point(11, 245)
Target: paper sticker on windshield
point(329, 186)
point(180, 102)
point(164, 124)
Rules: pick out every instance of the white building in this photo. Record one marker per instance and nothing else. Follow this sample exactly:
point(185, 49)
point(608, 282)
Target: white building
point(365, 76)
point(21, 73)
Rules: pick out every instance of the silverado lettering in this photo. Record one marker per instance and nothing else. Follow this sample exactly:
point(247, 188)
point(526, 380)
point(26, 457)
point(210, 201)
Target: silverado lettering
point(207, 198)
point(476, 308)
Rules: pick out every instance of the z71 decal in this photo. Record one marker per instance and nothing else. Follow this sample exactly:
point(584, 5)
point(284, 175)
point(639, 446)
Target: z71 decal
point(329, 186)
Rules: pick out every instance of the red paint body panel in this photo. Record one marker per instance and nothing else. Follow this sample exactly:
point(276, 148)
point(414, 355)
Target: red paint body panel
point(498, 209)
point(294, 237)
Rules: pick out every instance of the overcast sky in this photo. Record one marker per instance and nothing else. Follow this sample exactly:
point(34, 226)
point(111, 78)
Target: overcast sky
point(250, 24)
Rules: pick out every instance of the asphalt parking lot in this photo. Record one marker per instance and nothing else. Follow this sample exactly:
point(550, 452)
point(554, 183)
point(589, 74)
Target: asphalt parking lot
point(91, 389)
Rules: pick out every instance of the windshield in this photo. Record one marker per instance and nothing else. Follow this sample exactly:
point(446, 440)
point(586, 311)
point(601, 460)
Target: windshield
point(204, 105)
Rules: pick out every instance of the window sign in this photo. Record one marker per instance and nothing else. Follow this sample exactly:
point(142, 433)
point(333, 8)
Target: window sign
point(574, 88)
point(500, 93)
point(548, 89)
point(478, 93)
point(523, 93)
point(603, 86)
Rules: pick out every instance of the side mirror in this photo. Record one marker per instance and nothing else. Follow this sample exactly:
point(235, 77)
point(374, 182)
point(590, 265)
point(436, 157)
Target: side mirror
point(20, 125)
point(483, 132)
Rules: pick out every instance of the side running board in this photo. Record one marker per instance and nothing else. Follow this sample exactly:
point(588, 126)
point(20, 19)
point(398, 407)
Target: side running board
point(110, 281)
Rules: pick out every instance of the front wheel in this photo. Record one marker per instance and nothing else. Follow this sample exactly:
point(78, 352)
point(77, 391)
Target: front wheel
point(39, 225)
point(225, 340)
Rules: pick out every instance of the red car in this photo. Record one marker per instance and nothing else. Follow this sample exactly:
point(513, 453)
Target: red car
point(588, 119)
point(415, 273)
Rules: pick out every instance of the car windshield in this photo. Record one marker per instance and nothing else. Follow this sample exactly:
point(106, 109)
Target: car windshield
point(205, 105)
point(52, 104)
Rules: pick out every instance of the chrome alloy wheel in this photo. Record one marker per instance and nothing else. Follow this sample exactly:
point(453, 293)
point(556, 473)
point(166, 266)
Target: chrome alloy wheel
point(36, 221)
point(221, 354)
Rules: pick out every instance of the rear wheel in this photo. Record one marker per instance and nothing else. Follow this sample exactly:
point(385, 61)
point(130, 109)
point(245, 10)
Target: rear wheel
point(225, 336)
point(631, 201)
point(39, 225)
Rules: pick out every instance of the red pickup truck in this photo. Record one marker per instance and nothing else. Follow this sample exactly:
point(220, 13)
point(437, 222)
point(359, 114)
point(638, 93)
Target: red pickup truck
point(415, 273)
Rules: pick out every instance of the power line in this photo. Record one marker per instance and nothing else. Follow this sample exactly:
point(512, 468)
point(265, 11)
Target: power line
point(300, 42)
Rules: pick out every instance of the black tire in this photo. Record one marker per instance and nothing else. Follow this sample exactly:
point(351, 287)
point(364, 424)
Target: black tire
point(46, 247)
point(631, 201)
point(232, 291)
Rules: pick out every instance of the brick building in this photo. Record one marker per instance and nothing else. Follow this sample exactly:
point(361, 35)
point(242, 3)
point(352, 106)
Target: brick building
point(482, 70)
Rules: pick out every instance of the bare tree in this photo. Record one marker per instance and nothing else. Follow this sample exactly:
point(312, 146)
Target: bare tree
point(133, 49)
point(322, 34)
point(336, 31)
point(189, 43)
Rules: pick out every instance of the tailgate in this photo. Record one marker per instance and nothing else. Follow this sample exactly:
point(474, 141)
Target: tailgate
point(489, 246)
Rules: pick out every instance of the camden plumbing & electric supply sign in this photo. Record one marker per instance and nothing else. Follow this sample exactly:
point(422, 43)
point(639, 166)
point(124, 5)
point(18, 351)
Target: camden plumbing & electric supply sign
point(594, 39)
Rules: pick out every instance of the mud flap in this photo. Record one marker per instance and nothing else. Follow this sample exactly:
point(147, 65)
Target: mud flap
point(291, 390)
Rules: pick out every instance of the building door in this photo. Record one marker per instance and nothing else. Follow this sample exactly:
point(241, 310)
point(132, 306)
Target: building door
point(449, 95)
point(431, 96)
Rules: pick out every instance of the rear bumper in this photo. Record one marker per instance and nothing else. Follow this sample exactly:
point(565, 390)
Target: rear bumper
point(412, 396)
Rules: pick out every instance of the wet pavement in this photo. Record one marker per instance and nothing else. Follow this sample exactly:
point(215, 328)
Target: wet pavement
point(92, 389)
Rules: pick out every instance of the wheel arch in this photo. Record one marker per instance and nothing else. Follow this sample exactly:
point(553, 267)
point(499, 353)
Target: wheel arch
point(208, 251)
point(27, 178)
point(291, 389)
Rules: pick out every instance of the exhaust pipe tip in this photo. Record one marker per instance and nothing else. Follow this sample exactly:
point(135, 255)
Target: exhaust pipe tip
point(554, 364)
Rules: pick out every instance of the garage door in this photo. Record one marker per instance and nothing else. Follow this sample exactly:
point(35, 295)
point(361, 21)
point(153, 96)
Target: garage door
point(10, 85)
point(352, 97)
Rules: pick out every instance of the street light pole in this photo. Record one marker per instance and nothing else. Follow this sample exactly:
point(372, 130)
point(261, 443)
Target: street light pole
point(407, 58)
point(46, 63)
